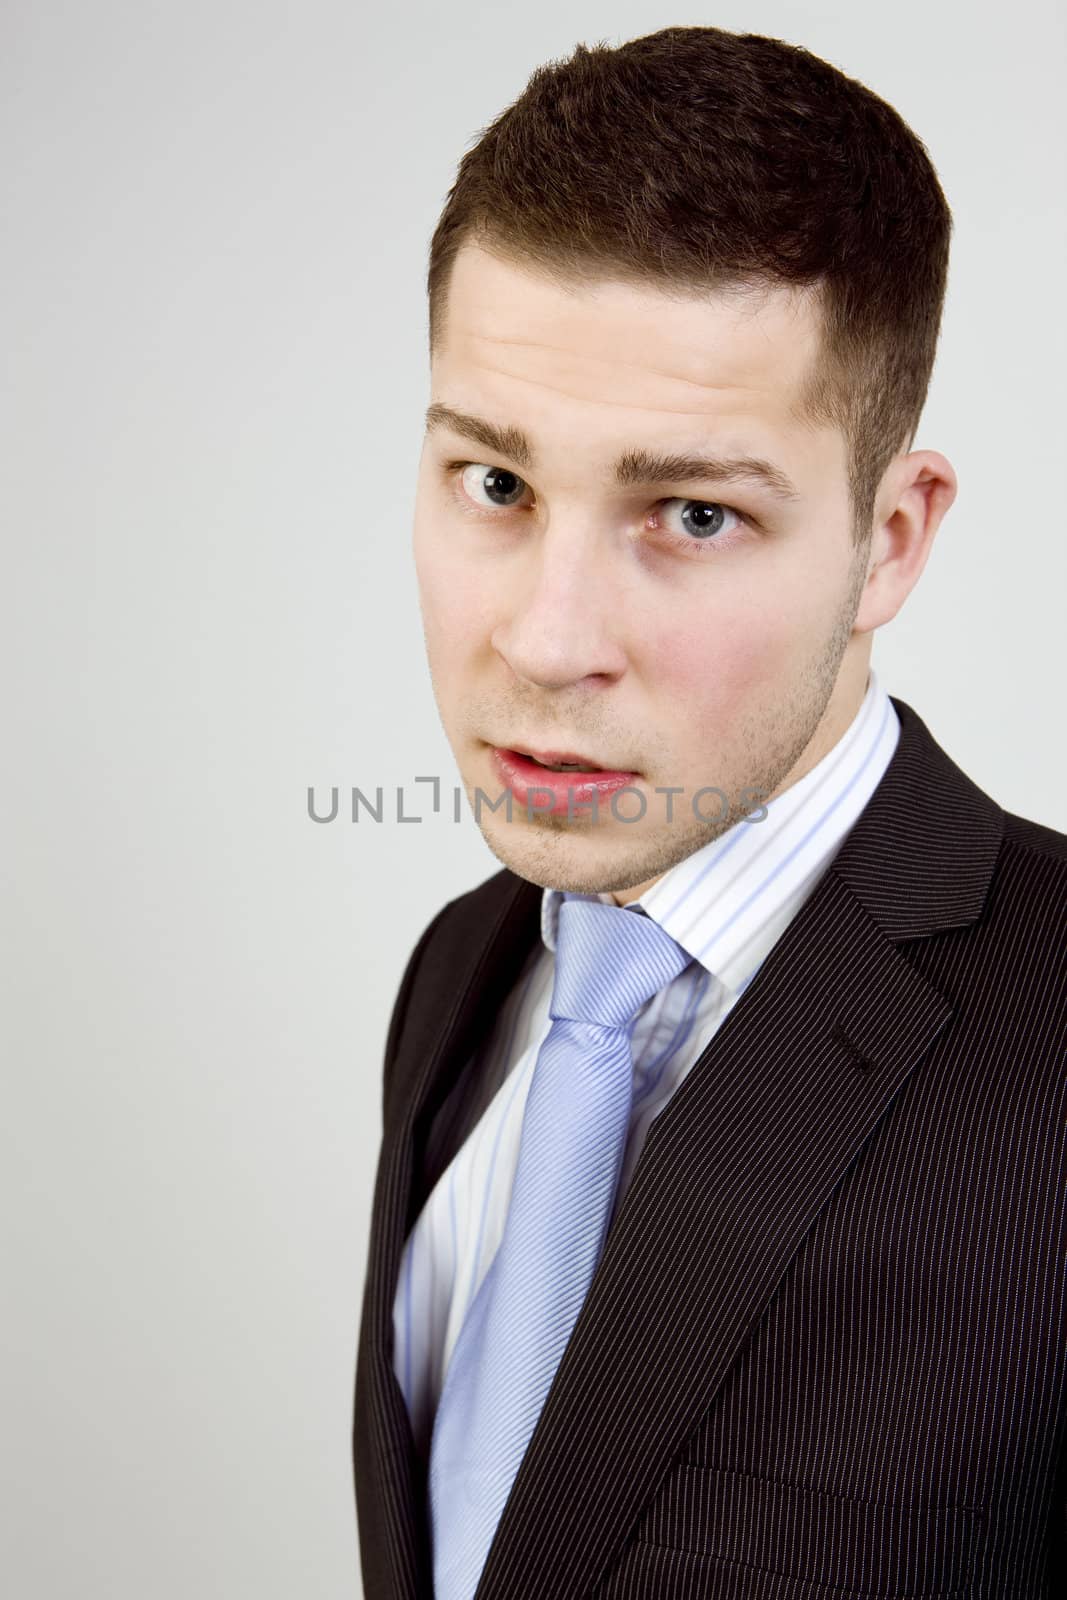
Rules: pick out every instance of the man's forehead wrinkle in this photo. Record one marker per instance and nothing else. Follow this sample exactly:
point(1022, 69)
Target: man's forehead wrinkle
point(624, 405)
point(606, 361)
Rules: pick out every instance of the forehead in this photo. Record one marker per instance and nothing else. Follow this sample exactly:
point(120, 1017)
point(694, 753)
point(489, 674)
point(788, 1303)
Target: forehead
point(737, 357)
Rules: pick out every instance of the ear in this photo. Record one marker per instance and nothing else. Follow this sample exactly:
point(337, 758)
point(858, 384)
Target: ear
point(915, 492)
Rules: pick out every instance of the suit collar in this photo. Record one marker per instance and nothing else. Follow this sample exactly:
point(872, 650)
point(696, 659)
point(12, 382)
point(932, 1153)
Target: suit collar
point(921, 857)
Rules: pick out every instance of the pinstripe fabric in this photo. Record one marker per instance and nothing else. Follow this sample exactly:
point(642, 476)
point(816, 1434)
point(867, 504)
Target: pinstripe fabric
point(726, 905)
point(822, 1354)
point(611, 961)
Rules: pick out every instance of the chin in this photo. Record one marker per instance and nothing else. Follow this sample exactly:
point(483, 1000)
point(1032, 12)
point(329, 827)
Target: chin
point(555, 857)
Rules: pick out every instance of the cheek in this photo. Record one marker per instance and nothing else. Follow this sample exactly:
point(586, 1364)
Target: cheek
point(438, 588)
point(711, 657)
point(455, 603)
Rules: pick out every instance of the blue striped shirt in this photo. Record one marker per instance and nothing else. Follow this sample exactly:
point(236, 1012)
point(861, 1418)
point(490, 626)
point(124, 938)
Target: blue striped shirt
point(727, 905)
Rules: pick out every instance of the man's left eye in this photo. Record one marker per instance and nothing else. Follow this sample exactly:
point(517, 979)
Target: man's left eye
point(703, 519)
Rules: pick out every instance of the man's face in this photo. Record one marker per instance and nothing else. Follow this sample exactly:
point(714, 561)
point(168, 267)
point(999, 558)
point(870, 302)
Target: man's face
point(691, 633)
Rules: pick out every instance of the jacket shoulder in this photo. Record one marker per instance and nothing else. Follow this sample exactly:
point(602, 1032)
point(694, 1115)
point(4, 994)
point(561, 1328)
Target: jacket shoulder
point(471, 907)
point(459, 922)
point(485, 898)
point(1024, 922)
point(1035, 836)
point(1028, 895)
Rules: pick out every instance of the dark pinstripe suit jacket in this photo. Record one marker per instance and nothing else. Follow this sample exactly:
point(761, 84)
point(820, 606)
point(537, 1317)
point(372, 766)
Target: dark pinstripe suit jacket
point(822, 1354)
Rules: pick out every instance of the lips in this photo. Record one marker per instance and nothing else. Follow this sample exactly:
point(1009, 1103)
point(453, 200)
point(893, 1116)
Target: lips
point(546, 792)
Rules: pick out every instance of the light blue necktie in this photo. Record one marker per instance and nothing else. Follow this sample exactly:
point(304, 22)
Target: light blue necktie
point(609, 962)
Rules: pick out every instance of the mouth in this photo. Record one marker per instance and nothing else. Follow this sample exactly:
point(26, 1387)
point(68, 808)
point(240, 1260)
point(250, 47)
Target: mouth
point(563, 760)
point(556, 782)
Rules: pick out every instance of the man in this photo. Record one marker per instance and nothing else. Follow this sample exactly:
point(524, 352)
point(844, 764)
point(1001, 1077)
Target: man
point(714, 1239)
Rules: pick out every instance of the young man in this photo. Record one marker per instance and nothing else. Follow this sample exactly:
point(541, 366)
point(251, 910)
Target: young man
point(714, 1240)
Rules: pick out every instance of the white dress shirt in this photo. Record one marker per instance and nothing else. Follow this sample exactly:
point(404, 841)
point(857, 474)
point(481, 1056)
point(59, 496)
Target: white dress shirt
point(727, 905)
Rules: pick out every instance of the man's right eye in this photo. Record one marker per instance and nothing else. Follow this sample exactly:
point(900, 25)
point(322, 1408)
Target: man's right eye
point(487, 487)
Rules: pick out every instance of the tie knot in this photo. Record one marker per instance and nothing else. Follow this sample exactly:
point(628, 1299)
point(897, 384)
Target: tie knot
point(609, 961)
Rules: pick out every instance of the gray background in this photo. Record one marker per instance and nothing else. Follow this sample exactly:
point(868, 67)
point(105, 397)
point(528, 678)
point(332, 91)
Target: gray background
point(216, 218)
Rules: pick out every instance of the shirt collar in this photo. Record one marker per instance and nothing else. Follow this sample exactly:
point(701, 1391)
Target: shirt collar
point(728, 902)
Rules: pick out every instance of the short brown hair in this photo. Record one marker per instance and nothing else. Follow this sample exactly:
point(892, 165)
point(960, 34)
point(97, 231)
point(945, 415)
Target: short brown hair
point(692, 158)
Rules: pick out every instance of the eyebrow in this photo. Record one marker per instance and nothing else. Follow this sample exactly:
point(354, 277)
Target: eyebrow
point(634, 468)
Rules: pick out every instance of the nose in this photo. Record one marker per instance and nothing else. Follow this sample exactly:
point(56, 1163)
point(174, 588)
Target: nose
point(561, 622)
